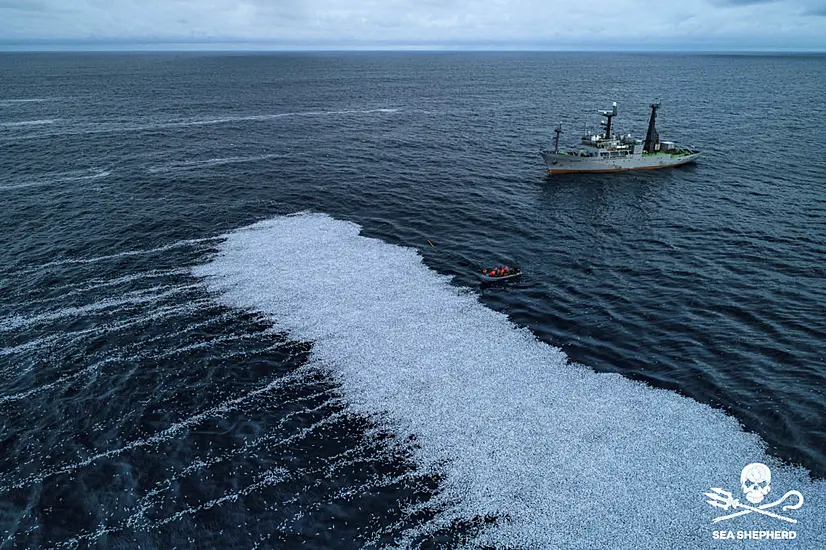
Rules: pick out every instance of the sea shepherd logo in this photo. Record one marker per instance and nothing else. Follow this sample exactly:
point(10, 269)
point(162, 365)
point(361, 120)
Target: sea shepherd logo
point(755, 481)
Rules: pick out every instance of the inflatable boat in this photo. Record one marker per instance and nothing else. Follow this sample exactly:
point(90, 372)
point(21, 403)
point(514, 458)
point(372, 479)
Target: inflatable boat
point(496, 275)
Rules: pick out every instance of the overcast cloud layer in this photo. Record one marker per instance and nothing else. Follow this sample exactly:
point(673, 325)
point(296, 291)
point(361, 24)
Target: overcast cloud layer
point(427, 24)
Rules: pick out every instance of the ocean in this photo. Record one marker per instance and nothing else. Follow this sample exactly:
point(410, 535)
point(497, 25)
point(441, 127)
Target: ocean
point(240, 305)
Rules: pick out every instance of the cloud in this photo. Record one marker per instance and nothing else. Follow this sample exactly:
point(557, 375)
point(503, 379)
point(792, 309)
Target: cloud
point(816, 7)
point(411, 23)
point(743, 2)
point(24, 5)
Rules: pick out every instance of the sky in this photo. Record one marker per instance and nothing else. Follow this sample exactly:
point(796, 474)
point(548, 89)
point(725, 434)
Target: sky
point(740, 25)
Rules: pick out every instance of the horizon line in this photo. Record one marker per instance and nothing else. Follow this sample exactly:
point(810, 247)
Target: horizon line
point(158, 48)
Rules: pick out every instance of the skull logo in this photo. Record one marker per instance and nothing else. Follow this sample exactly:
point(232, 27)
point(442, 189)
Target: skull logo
point(756, 482)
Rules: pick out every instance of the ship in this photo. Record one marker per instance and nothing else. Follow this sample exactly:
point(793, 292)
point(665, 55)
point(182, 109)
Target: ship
point(618, 153)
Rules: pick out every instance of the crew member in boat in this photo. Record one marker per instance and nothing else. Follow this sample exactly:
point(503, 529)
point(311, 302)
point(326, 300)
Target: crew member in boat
point(499, 271)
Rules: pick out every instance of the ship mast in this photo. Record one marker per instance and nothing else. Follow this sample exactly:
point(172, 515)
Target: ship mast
point(607, 123)
point(557, 131)
point(652, 138)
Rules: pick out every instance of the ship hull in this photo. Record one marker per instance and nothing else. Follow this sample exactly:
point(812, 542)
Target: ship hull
point(562, 163)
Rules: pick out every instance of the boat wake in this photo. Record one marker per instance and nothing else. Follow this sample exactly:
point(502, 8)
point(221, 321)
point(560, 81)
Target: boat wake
point(559, 455)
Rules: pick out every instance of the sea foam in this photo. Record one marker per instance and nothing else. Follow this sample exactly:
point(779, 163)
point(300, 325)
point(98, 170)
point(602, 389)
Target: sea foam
point(208, 163)
point(64, 177)
point(24, 123)
point(562, 456)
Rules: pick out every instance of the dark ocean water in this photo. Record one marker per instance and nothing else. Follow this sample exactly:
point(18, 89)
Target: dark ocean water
point(145, 404)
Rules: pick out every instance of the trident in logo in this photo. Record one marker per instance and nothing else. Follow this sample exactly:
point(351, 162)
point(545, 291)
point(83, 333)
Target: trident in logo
point(756, 483)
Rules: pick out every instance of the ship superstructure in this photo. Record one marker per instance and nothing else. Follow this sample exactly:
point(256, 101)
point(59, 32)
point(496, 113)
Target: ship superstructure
point(608, 152)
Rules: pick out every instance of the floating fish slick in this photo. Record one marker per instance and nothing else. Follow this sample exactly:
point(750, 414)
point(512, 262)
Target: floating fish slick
point(609, 152)
point(559, 455)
